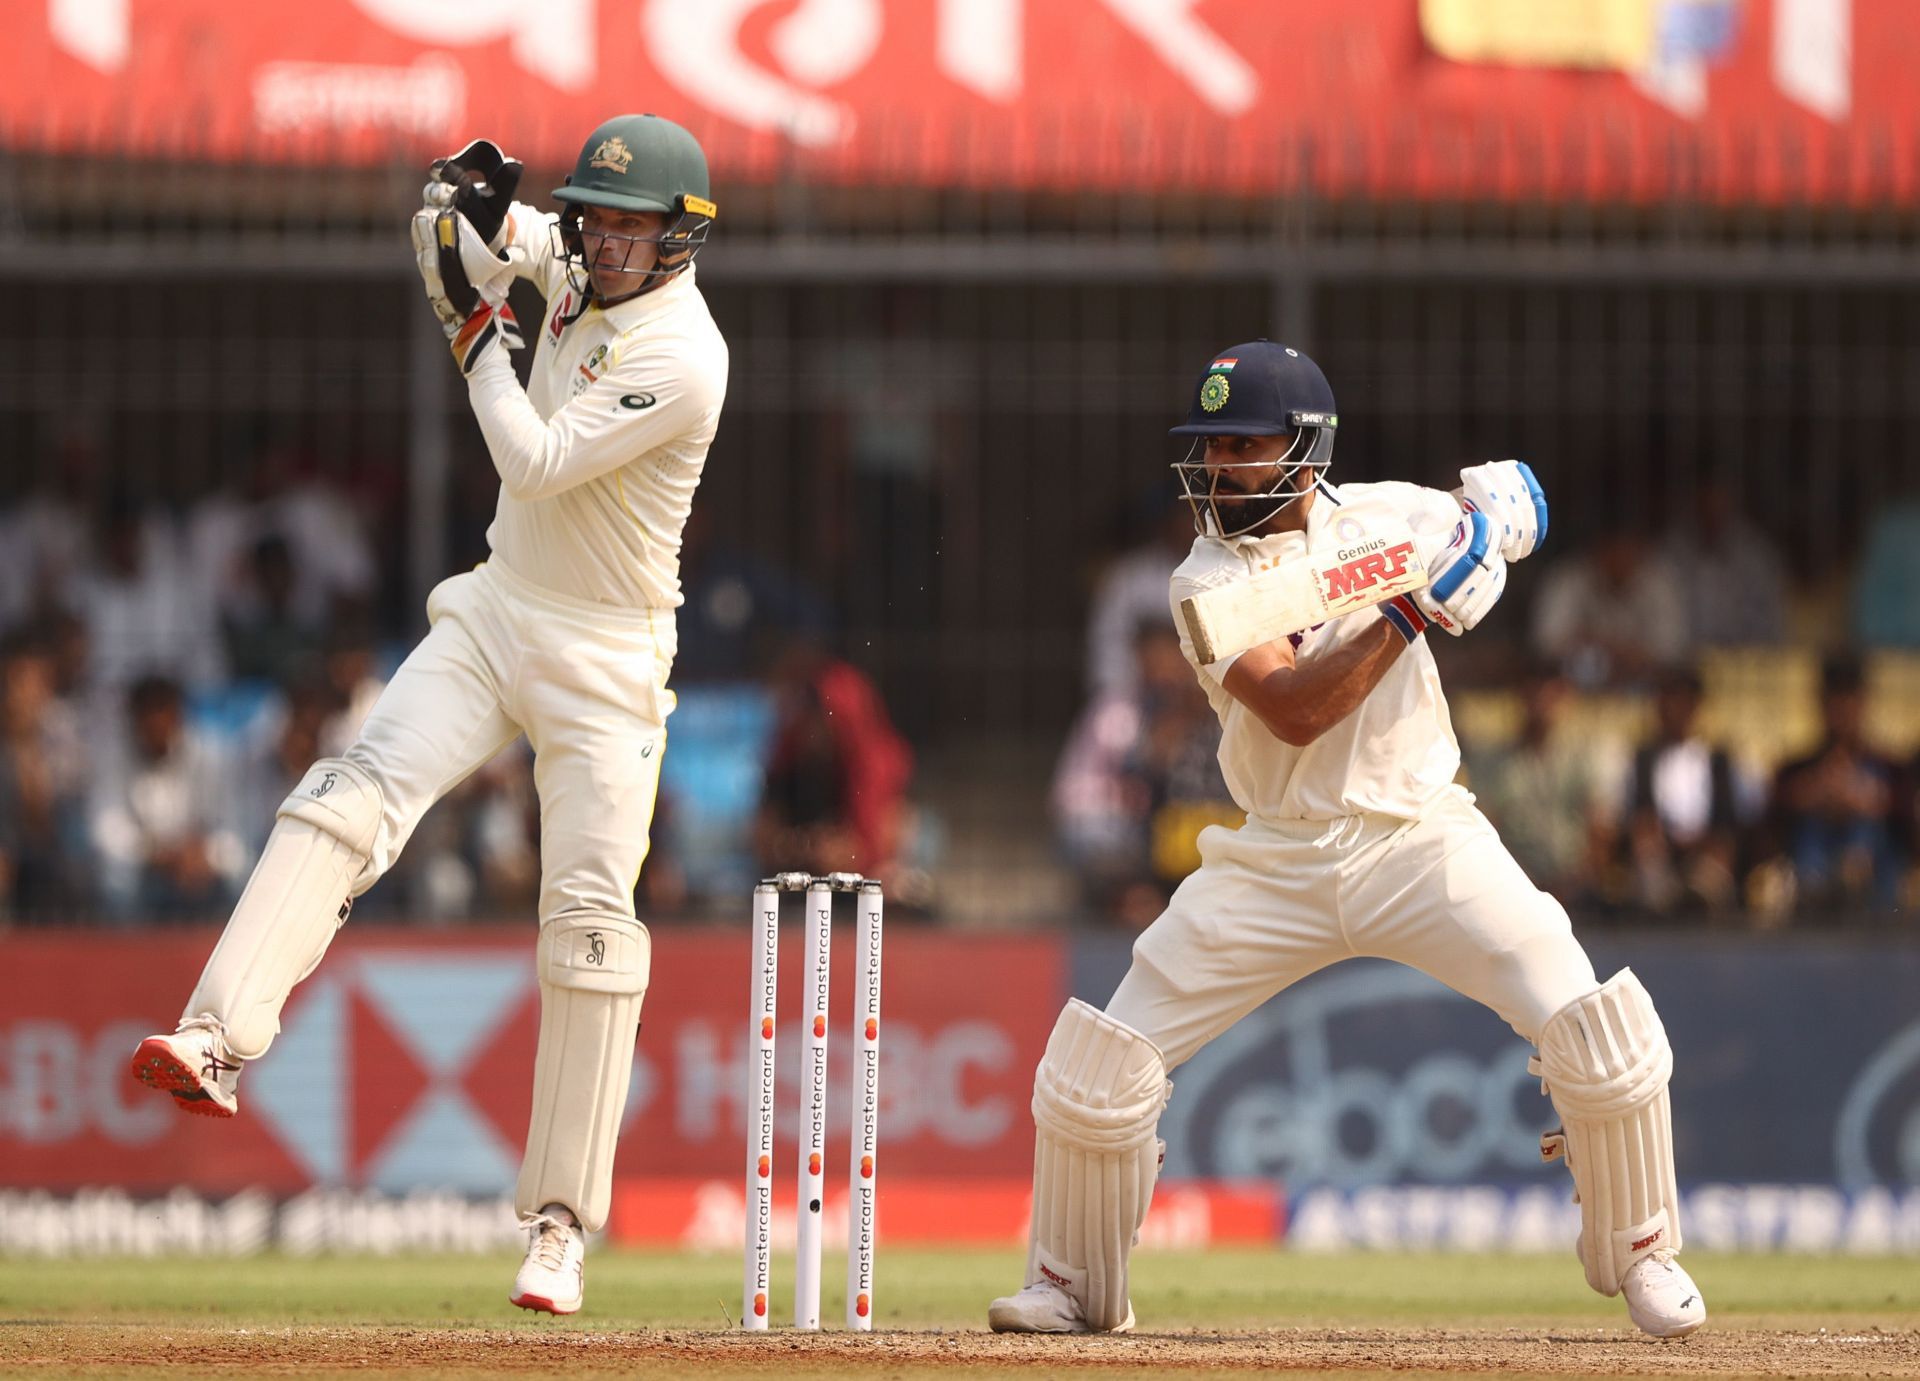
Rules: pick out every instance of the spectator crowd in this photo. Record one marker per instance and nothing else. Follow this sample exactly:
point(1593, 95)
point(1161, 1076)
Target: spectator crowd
point(171, 663)
point(171, 660)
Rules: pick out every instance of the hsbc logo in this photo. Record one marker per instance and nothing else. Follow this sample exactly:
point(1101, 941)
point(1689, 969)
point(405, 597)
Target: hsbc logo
point(1362, 568)
point(380, 1075)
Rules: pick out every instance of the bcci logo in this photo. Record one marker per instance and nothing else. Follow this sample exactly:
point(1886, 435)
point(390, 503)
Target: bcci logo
point(1213, 393)
point(613, 155)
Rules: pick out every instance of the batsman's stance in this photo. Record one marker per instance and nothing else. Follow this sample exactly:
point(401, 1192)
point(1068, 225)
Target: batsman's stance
point(1337, 744)
point(566, 634)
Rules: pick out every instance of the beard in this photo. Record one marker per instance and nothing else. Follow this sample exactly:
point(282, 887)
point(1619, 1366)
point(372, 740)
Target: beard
point(1243, 514)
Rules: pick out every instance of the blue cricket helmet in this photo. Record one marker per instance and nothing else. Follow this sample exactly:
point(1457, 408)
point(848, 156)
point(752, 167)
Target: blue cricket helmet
point(1260, 388)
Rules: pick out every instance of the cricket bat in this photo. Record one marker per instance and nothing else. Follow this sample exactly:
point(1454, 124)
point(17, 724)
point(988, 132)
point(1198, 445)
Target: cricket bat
point(1297, 593)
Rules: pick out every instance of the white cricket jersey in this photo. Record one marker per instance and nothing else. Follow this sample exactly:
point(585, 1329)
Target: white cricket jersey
point(1394, 753)
point(600, 454)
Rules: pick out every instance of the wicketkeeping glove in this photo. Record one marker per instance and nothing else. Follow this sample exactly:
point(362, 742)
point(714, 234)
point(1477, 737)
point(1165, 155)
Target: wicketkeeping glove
point(466, 284)
point(1516, 506)
point(479, 183)
point(1465, 578)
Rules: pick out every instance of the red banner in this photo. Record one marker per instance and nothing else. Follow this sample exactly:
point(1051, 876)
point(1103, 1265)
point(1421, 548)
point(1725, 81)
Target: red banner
point(1617, 99)
point(406, 1062)
point(705, 1215)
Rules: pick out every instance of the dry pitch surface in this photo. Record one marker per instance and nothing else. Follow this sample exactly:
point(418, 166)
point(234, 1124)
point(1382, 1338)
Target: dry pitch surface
point(1219, 1313)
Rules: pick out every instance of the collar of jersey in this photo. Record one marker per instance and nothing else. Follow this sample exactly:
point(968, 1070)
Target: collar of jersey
point(1316, 517)
point(638, 311)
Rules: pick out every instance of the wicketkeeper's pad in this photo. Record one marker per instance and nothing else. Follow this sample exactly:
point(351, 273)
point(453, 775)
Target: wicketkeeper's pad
point(1097, 1098)
point(593, 969)
point(1605, 1062)
point(296, 898)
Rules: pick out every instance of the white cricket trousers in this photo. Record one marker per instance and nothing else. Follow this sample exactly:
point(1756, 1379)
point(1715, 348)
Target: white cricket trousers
point(586, 683)
point(1274, 901)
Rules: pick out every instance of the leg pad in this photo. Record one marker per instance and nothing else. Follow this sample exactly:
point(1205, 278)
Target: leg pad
point(593, 970)
point(294, 901)
point(1097, 1098)
point(1606, 1063)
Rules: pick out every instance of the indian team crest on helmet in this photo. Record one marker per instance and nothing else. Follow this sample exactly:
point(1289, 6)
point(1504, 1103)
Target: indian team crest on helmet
point(613, 155)
point(1213, 393)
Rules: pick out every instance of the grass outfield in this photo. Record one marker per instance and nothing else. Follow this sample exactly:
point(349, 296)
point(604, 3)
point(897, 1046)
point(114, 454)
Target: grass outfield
point(445, 1316)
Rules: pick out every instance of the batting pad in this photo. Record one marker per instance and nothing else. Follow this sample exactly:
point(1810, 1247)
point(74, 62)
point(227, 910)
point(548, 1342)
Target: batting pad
point(1097, 1098)
point(593, 969)
point(1606, 1063)
point(294, 901)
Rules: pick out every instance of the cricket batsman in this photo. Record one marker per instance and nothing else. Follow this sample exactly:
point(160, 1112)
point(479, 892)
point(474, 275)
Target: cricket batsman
point(1337, 744)
point(565, 634)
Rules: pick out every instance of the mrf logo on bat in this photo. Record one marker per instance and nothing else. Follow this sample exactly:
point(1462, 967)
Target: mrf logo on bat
point(1362, 568)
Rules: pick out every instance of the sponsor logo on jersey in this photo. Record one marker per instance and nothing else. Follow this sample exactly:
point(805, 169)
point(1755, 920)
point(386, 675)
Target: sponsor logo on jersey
point(558, 321)
point(1363, 567)
point(637, 401)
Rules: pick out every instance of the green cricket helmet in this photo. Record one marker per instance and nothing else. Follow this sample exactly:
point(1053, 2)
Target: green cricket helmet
point(637, 163)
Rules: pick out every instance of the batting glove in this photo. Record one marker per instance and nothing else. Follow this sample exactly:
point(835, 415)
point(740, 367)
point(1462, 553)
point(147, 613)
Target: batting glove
point(1465, 578)
point(1515, 505)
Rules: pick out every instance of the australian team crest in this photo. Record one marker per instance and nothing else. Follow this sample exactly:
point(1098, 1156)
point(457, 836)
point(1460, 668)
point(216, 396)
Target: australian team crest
point(1213, 393)
point(590, 369)
point(613, 155)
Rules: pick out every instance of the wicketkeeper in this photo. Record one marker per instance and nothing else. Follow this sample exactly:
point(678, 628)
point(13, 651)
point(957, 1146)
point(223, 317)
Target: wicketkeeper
point(565, 634)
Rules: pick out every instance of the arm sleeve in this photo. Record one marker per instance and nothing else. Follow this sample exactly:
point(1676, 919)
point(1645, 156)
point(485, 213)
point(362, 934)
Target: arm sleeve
point(642, 403)
point(529, 247)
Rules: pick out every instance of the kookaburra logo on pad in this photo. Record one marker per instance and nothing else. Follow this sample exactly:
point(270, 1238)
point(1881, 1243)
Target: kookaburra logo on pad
point(596, 947)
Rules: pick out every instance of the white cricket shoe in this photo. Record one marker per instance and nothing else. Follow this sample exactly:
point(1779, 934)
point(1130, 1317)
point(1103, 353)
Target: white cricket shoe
point(1662, 1298)
point(1044, 1307)
point(194, 1065)
point(553, 1277)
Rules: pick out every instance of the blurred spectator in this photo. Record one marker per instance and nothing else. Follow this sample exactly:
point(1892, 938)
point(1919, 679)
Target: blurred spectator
point(1682, 810)
point(356, 683)
point(835, 793)
point(143, 615)
point(1550, 792)
point(45, 537)
point(1131, 592)
point(278, 762)
point(1610, 616)
point(1138, 780)
point(1885, 611)
point(42, 784)
point(1834, 809)
point(333, 564)
point(266, 637)
point(738, 607)
point(163, 846)
point(1730, 576)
